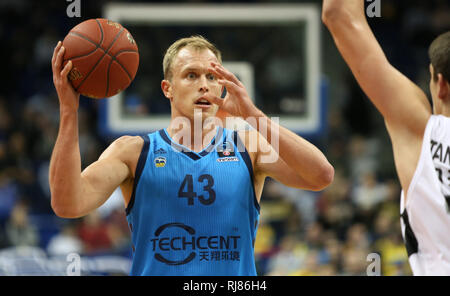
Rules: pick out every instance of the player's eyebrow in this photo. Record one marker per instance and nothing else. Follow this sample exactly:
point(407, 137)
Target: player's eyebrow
point(194, 69)
point(190, 69)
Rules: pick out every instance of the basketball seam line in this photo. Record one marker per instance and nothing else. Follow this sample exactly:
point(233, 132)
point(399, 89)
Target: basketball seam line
point(96, 47)
point(99, 60)
point(101, 31)
point(89, 40)
point(118, 62)
point(84, 37)
point(99, 47)
point(83, 55)
point(107, 78)
point(101, 41)
point(113, 59)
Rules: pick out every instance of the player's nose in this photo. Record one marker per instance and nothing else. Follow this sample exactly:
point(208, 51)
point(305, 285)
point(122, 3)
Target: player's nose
point(204, 84)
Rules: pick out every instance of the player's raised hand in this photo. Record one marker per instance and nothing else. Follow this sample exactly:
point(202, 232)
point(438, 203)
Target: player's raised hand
point(236, 102)
point(68, 97)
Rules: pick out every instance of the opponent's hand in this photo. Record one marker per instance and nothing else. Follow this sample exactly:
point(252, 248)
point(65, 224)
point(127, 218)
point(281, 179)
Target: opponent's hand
point(68, 97)
point(236, 102)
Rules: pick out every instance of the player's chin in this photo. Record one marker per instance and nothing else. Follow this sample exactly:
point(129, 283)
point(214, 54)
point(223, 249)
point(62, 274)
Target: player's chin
point(206, 110)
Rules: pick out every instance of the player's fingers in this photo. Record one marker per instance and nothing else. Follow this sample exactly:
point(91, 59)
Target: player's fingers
point(215, 72)
point(222, 79)
point(230, 86)
point(66, 69)
point(225, 73)
point(55, 51)
point(215, 100)
point(59, 58)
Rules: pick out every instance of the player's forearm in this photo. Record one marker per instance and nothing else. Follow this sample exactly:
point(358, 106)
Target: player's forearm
point(347, 23)
point(360, 50)
point(65, 166)
point(338, 13)
point(303, 157)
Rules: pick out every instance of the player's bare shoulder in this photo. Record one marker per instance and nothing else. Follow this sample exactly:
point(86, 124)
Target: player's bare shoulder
point(127, 149)
point(257, 146)
point(249, 140)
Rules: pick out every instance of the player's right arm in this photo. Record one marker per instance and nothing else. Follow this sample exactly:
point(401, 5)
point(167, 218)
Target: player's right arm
point(75, 193)
point(403, 104)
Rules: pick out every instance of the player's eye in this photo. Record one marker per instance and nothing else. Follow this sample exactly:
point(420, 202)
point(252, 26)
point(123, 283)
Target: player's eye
point(191, 75)
point(211, 77)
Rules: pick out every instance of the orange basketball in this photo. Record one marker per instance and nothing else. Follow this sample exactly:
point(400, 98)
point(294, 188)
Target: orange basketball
point(104, 55)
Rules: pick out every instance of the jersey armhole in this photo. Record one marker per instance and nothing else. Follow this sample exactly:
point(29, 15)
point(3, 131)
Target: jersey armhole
point(248, 162)
point(420, 163)
point(139, 168)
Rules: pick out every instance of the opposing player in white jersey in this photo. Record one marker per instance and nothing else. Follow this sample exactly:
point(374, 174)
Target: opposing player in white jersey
point(420, 133)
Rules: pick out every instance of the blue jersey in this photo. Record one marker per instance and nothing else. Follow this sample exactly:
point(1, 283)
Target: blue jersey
point(193, 213)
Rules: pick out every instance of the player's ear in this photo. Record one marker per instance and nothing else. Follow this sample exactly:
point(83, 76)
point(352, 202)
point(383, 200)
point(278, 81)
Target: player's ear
point(166, 87)
point(443, 87)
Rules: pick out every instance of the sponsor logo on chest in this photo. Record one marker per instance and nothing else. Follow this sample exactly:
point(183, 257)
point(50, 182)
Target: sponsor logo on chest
point(226, 153)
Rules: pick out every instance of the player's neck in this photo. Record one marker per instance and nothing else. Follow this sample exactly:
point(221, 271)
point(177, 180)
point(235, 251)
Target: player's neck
point(195, 137)
point(442, 108)
point(446, 109)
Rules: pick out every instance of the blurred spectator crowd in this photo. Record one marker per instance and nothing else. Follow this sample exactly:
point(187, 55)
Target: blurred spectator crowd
point(301, 233)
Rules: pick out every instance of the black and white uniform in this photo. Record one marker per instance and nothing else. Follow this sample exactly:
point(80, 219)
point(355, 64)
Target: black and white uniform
point(425, 218)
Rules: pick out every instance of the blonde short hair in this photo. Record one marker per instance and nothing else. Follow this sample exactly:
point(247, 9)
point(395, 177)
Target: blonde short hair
point(197, 42)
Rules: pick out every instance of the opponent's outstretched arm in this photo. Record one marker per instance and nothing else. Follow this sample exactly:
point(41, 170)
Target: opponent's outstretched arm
point(402, 103)
point(75, 193)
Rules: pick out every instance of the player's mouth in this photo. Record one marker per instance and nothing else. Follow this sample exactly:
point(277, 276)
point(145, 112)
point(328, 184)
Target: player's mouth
point(202, 103)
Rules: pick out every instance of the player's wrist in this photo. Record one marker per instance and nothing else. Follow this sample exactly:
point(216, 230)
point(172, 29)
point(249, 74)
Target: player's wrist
point(68, 110)
point(253, 112)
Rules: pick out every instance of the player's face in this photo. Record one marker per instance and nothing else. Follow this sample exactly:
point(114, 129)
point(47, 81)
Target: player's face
point(191, 80)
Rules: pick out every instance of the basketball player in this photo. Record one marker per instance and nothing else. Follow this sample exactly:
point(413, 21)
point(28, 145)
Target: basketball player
point(420, 134)
point(192, 205)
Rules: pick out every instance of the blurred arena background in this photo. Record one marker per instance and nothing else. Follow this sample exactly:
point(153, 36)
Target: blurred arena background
point(301, 233)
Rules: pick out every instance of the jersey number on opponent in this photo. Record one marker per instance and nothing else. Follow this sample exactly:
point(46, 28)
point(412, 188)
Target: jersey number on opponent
point(187, 190)
point(441, 179)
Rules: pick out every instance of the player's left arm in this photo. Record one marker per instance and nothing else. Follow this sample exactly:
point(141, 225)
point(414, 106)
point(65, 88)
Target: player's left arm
point(287, 157)
point(280, 153)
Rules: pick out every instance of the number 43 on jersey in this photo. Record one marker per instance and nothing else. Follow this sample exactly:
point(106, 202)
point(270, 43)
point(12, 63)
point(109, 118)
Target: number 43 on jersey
point(206, 197)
